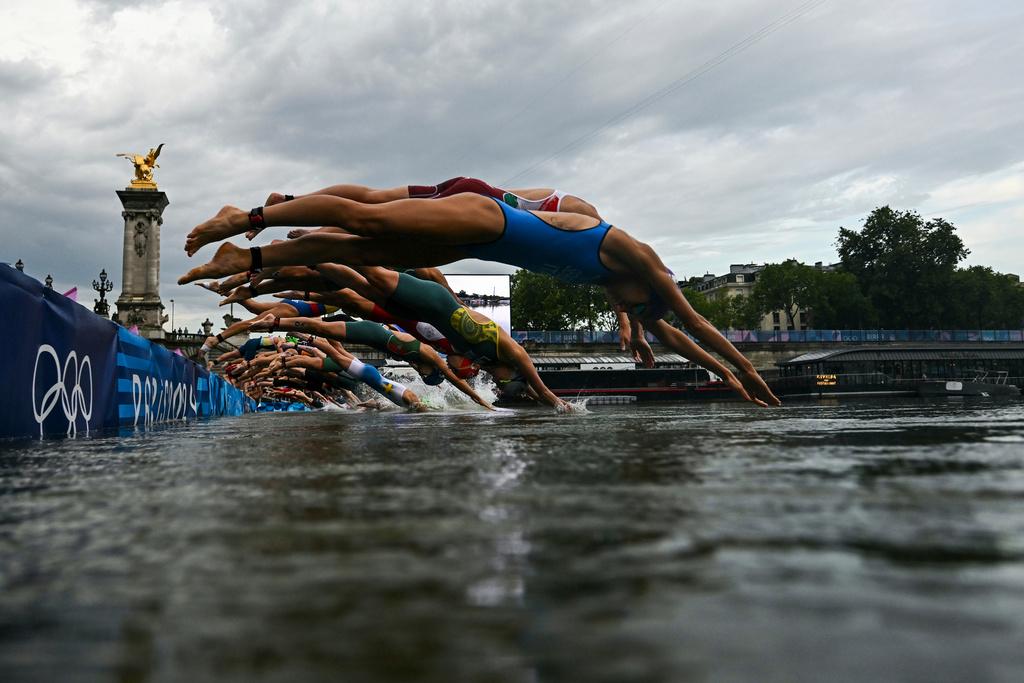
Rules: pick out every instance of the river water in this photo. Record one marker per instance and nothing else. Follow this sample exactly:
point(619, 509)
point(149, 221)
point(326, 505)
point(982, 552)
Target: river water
point(837, 541)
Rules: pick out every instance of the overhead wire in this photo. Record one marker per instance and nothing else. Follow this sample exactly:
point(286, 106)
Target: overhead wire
point(690, 76)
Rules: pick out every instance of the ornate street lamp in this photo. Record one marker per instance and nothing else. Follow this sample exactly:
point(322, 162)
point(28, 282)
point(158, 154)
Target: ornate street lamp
point(48, 281)
point(20, 266)
point(101, 307)
point(172, 315)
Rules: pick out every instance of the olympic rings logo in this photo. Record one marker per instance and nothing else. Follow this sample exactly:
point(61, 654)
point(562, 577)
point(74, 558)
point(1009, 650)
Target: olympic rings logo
point(72, 400)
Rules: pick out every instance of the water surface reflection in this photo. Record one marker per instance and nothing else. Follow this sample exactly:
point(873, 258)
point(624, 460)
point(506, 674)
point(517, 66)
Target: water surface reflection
point(831, 541)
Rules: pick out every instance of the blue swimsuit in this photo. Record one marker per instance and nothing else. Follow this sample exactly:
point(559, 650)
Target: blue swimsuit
point(309, 309)
point(529, 242)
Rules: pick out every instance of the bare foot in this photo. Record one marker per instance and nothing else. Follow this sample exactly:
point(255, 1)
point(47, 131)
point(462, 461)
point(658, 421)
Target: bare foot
point(297, 232)
point(262, 276)
point(224, 224)
point(228, 260)
point(274, 198)
point(263, 323)
point(239, 294)
point(212, 285)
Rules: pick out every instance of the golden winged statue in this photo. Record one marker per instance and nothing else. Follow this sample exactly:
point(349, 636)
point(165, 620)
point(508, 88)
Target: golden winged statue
point(144, 166)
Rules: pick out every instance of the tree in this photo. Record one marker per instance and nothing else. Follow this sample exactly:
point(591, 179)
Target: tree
point(837, 303)
point(985, 299)
point(785, 286)
point(904, 265)
point(744, 313)
point(723, 312)
point(540, 302)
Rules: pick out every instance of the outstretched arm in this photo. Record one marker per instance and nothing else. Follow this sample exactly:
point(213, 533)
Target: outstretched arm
point(521, 359)
point(463, 386)
point(642, 350)
point(625, 330)
point(644, 261)
point(683, 345)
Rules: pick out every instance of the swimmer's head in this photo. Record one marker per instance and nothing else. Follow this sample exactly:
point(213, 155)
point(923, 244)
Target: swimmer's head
point(462, 366)
point(431, 375)
point(654, 308)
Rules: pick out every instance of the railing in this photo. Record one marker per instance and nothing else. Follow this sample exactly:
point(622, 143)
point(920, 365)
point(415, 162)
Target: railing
point(185, 337)
point(790, 336)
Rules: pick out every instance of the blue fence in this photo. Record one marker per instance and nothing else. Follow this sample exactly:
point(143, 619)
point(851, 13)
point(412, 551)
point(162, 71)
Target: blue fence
point(792, 336)
point(65, 370)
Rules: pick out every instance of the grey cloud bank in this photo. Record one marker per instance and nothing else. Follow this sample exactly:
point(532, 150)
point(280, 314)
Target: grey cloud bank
point(854, 105)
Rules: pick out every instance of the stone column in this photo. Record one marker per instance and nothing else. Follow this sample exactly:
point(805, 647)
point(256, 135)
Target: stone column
point(139, 303)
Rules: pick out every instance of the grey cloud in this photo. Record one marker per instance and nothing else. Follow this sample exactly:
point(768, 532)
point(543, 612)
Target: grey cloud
point(761, 158)
point(21, 77)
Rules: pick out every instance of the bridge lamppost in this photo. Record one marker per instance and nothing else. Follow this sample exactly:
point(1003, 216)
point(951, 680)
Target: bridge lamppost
point(20, 266)
point(48, 281)
point(172, 316)
point(101, 307)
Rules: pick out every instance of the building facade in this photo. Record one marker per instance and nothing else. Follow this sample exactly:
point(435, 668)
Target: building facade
point(739, 282)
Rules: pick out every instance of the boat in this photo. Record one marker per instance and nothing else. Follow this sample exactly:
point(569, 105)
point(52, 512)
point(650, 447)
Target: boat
point(980, 385)
point(618, 380)
point(902, 370)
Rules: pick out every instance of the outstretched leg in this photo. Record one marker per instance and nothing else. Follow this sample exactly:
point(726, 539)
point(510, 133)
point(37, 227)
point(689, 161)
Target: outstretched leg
point(462, 219)
point(257, 307)
point(320, 247)
point(357, 193)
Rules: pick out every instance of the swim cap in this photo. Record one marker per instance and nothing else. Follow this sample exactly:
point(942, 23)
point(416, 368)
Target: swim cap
point(655, 308)
point(463, 367)
point(434, 378)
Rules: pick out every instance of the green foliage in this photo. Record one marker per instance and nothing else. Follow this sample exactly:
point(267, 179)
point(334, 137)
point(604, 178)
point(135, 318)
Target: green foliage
point(833, 299)
point(904, 266)
point(897, 272)
point(837, 303)
point(722, 312)
point(985, 300)
point(540, 302)
point(745, 313)
point(785, 286)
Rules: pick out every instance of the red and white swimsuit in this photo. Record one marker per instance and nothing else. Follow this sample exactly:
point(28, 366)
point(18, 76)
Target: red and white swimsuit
point(454, 186)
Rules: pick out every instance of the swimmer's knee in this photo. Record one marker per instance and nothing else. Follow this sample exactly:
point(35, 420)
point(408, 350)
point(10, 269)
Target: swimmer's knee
point(578, 205)
point(361, 219)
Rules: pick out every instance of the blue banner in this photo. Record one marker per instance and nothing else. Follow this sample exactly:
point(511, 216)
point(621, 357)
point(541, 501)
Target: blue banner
point(65, 370)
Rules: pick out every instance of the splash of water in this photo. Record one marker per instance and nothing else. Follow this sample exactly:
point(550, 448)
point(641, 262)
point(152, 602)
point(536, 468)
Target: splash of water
point(443, 397)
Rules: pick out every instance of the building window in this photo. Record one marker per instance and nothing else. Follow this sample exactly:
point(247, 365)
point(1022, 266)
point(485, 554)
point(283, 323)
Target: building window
point(739, 278)
point(775, 318)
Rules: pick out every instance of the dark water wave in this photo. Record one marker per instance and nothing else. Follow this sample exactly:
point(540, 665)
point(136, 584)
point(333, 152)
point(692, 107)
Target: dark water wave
point(834, 541)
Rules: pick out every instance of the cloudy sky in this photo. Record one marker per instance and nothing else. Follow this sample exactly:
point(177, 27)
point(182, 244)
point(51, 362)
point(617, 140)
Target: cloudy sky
point(729, 132)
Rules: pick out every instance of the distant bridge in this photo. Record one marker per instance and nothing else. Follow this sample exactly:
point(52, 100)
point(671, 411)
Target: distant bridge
point(766, 348)
point(860, 337)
